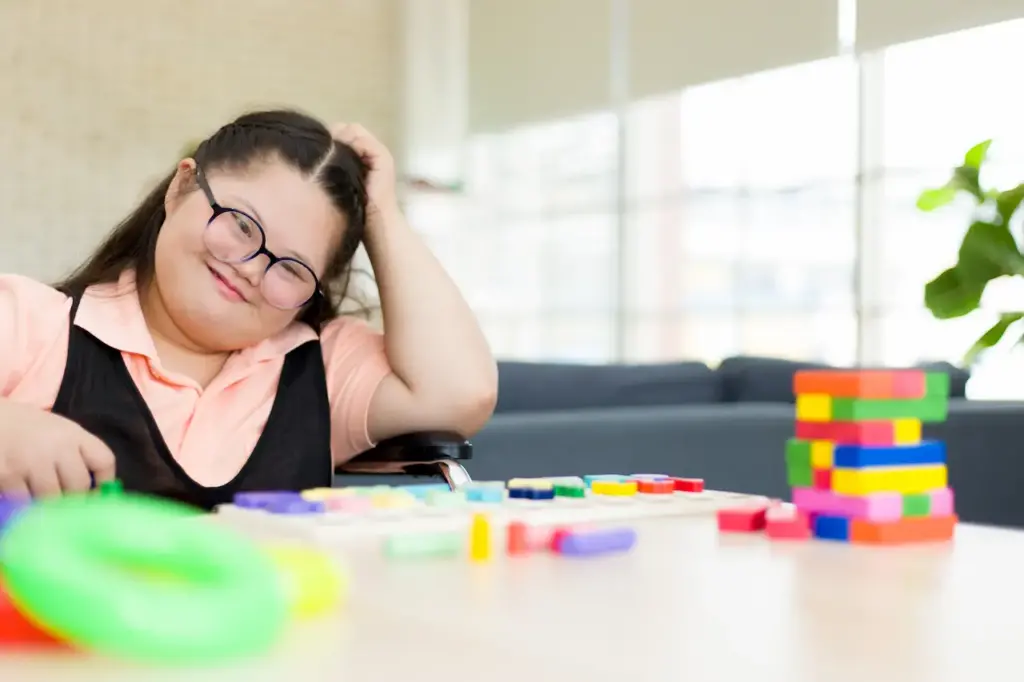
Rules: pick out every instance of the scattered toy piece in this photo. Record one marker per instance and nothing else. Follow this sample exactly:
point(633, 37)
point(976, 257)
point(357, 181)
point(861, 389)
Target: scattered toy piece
point(655, 486)
point(423, 545)
point(689, 485)
point(480, 538)
point(742, 520)
point(516, 539)
point(614, 488)
point(596, 542)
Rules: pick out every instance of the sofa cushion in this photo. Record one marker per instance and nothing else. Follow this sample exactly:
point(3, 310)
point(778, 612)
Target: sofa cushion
point(750, 379)
point(527, 386)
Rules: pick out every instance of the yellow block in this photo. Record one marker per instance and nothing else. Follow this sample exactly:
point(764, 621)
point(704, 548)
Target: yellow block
point(479, 538)
point(813, 407)
point(614, 488)
point(393, 499)
point(314, 583)
point(821, 454)
point(906, 431)
point(904, 480)
point(532, 483)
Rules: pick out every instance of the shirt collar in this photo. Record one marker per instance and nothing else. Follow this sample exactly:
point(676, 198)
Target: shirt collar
point(112, 313)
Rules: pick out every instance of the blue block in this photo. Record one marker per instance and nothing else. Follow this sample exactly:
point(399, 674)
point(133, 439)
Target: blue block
point(832, 528)
point(616, 478)
point(484, 494)
point(857, 457)
point(518, 493)
point(532, 494)
point(421, 490)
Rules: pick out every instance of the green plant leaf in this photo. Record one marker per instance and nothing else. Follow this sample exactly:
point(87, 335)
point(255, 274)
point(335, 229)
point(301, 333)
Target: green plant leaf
point(1008, 201)
point(932, 199)
point(991, 337)
point(949, 295)
point(988, 251)
point(968, 179)
point(976, 155)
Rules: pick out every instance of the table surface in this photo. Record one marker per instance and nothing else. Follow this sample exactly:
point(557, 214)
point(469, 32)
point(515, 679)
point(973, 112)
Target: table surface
point(686, 603)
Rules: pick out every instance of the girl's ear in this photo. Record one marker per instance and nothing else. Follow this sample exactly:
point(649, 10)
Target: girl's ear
point(183, 180)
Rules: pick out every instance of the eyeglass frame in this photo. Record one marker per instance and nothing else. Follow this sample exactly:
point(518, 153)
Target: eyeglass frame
point(219, 210)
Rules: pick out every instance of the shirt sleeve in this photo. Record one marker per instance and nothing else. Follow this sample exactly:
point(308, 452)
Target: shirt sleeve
point(355, 363)
point(33, 331)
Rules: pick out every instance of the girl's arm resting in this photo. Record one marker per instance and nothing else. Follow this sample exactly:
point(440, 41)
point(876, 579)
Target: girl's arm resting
point(443, 375)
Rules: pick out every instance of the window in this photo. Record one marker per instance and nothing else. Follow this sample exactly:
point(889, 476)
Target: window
point(932, 95)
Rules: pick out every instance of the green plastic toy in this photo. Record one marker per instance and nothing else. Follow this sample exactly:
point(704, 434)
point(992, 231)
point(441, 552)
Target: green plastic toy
point(141, 579)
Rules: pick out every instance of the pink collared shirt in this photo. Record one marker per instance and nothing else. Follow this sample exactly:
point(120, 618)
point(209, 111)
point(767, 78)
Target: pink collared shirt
point(210, 431)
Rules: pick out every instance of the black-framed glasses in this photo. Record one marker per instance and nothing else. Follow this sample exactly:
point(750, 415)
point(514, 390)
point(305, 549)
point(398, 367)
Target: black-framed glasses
point(233, 236)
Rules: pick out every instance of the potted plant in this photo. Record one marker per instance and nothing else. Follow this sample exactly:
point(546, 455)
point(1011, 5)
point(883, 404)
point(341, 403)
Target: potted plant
point(988, 251)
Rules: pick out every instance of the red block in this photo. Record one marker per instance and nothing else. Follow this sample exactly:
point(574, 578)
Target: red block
point(656, 487)
point(823, 479)
point(689, 485)
point(517, 538)
point(18, 631)
point(787, 523)
point(880, 433)
point(742, 520)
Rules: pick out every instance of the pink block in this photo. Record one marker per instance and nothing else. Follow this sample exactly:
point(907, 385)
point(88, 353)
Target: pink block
point(941, 502)
point(877, 507)
point(349, 503)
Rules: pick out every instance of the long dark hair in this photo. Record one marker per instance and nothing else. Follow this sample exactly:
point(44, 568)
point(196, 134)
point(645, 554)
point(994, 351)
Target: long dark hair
point(289, 136)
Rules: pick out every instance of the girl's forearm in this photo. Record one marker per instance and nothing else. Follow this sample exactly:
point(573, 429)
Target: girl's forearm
point(433, 341)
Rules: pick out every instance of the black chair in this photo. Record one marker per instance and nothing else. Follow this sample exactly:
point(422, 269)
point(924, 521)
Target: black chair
point(435, 453)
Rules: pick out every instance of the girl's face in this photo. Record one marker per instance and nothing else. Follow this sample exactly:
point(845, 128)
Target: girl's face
point(219, 305)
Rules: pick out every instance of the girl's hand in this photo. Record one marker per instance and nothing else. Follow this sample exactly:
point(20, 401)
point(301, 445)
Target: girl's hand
point(381, 185)
point(43, 454)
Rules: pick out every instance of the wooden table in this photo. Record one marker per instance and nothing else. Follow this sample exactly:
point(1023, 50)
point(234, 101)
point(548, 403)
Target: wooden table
point(686, 604)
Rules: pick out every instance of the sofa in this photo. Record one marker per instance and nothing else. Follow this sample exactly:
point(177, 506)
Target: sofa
point(727, 425)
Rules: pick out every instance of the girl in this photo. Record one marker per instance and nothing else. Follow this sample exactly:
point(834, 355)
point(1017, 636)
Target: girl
point(199, 351)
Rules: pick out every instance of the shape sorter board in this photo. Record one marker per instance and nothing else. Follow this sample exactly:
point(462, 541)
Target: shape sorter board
point(330, 528)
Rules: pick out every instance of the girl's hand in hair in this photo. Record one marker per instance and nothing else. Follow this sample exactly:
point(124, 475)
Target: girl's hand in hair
point(381, 185)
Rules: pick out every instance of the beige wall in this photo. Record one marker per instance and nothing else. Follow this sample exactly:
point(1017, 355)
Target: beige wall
point(97, 98)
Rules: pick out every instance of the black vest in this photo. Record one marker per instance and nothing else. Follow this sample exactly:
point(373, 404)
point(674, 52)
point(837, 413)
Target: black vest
point(293, 452)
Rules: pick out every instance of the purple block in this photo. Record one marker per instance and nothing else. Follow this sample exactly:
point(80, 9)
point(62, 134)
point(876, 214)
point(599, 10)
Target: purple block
point(596, 542)
point(262, 499)
point(8, 509)
point(295, 506)
point(649, 477)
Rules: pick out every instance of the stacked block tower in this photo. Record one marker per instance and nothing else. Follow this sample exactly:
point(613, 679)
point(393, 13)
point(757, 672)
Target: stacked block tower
point(858, 467)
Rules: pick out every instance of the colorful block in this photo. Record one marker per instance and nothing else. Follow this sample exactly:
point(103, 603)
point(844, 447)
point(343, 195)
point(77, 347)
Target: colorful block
point(861, 383)
point(894, 432)
point(689, 485)
point(787, 523)
point(823, 408)
point(655, 487)
point(742, 520)
point(903, 531)
point(917, 504)
point(825, 527)
point(570, 490)
point(822, 454)
point(614, 488)
point(941, 503)
point(877, 507)
point(859, 456)
point(485, 494)
point(797, 477)
point(821, 479)
point(888, 480)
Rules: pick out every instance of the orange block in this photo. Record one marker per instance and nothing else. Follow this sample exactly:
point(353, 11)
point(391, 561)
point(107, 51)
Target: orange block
point(906, 530)
point(863, 383)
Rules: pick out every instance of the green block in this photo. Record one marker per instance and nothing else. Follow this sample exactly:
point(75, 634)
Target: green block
point(926, 409)
point(799, 477)
point(936, 385)
point(798, 454)
point(917, 505)
point(570, 490)
point(111, 488)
